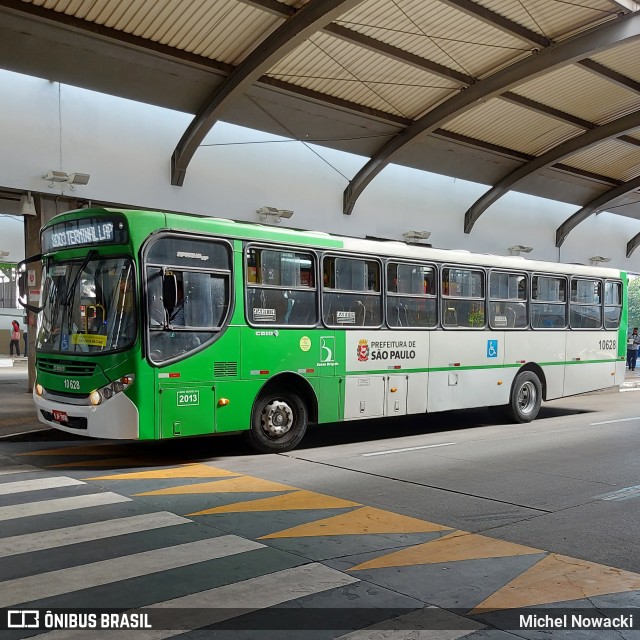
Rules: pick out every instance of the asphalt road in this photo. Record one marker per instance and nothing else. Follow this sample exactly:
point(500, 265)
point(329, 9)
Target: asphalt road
point(447, 510)
point(543, 484)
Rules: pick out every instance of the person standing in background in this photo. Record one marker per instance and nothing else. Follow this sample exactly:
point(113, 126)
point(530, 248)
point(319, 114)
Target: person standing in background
point(633, 341)
point(15, 338)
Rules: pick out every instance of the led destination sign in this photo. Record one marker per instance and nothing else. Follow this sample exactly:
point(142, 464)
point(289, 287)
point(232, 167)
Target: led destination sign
point(86, 232)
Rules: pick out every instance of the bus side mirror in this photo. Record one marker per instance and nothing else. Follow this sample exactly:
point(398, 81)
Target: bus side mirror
point(22, 284)
point(169, 290)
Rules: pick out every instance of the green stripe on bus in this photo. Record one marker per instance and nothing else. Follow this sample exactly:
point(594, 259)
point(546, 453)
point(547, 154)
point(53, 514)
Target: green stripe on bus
point(475, 367)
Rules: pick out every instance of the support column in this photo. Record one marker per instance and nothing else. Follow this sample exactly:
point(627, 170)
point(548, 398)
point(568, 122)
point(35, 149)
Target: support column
point(47, 206)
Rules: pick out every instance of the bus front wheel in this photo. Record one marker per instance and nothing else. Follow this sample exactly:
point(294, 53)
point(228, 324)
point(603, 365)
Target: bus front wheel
point(526, 397)
point(279, 421)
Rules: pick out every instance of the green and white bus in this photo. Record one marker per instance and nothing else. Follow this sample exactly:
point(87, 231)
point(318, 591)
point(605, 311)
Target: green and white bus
point(161, 325)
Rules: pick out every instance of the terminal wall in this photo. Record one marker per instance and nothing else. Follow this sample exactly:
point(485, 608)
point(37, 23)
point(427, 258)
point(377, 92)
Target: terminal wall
point(126, 147)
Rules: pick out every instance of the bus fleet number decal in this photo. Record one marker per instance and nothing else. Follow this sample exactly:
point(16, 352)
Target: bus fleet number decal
point(186, 398)
point(607, 344)
point(71, 384)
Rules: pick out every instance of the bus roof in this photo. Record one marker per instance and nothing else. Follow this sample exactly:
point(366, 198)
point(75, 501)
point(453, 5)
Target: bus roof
point(319, 239)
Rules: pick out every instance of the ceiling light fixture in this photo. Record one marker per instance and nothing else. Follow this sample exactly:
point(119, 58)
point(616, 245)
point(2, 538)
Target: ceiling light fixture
point(67, 178)
point(415, 237)
point(273, 213)
point(517, 249)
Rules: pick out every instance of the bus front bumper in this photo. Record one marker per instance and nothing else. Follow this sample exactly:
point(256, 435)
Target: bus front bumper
point(117, 418)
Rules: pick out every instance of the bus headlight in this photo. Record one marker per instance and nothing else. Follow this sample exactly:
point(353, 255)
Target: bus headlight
point(39, 389)
point(105, 393)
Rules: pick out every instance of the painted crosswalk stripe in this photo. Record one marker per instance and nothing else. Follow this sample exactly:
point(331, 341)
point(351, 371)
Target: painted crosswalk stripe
point(30, 542)
point(38, 484)
point(224, 603)
point(6, 469)
point(60, 504)
point(95, 574)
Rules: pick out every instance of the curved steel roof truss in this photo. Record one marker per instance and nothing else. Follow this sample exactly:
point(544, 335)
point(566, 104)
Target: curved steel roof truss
point(597, 204)
point(633, 244)
point(588, 139)
point(605, 36)
point(289, 35)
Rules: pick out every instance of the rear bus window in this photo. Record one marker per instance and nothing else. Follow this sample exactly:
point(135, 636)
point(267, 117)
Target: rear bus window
point(612, 304)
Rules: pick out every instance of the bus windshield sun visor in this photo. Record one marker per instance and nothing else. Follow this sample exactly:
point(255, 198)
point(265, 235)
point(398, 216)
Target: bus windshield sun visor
point(87, 259)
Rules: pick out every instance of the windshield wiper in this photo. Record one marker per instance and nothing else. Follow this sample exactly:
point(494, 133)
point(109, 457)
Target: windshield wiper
point(90, 256)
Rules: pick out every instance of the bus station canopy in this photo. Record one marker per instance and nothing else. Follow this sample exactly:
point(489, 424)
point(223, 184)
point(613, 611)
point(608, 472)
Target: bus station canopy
point(539, 96)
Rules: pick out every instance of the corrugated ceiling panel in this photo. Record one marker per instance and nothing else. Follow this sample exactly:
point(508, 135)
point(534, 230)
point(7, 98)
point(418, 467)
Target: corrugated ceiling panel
point(509, 125)
point(436, 32)
point(553, 18)
point(219, 29)
point(611, 158)
point(340, 69)
point(624, 59)
point(581, 93)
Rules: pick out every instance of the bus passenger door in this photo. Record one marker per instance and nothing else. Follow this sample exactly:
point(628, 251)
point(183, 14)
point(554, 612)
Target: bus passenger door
point(186, 409)
point(396, 395)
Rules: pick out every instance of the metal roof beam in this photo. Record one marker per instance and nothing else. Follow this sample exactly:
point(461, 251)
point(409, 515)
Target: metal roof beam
point(312, 17)
point(568, 148)
point(597, 204)
point(629, 140)
point(633, 244)
point(498, 21)
point(609, 74)
point(518, 155)
point(273, 7)
point(377, 46)
point(561, 116)
point(367, 42)
point(546, 110)
point(603, 37)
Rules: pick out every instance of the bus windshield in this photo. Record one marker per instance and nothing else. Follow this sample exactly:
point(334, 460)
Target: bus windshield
point(88, 306)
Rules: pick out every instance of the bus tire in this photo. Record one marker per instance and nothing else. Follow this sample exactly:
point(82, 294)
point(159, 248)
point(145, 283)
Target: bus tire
point(526, 397)
point(279, 421)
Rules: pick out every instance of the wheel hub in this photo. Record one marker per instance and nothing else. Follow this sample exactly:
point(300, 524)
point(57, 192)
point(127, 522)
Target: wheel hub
point(277, 418)
point(527, 397)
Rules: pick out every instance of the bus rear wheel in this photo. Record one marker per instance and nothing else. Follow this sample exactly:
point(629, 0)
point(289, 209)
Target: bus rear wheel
point(279, 421)
point(526, 397)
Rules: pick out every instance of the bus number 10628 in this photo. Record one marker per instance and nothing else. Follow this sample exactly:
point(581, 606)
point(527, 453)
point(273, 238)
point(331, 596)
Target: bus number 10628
point(607, 344)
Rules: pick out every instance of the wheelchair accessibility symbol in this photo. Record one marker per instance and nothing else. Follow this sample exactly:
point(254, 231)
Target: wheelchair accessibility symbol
point(492, 348)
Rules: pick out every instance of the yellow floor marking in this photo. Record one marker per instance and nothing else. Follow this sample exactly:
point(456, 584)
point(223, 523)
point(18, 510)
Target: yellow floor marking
point(298, 500)
point(454, 547)
point(195, 470)
point(246, 484)
point(558, 578)
point(88, 450)
point(361, 521)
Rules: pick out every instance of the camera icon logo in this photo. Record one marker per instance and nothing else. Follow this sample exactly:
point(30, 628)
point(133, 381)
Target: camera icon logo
point(23, 619)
